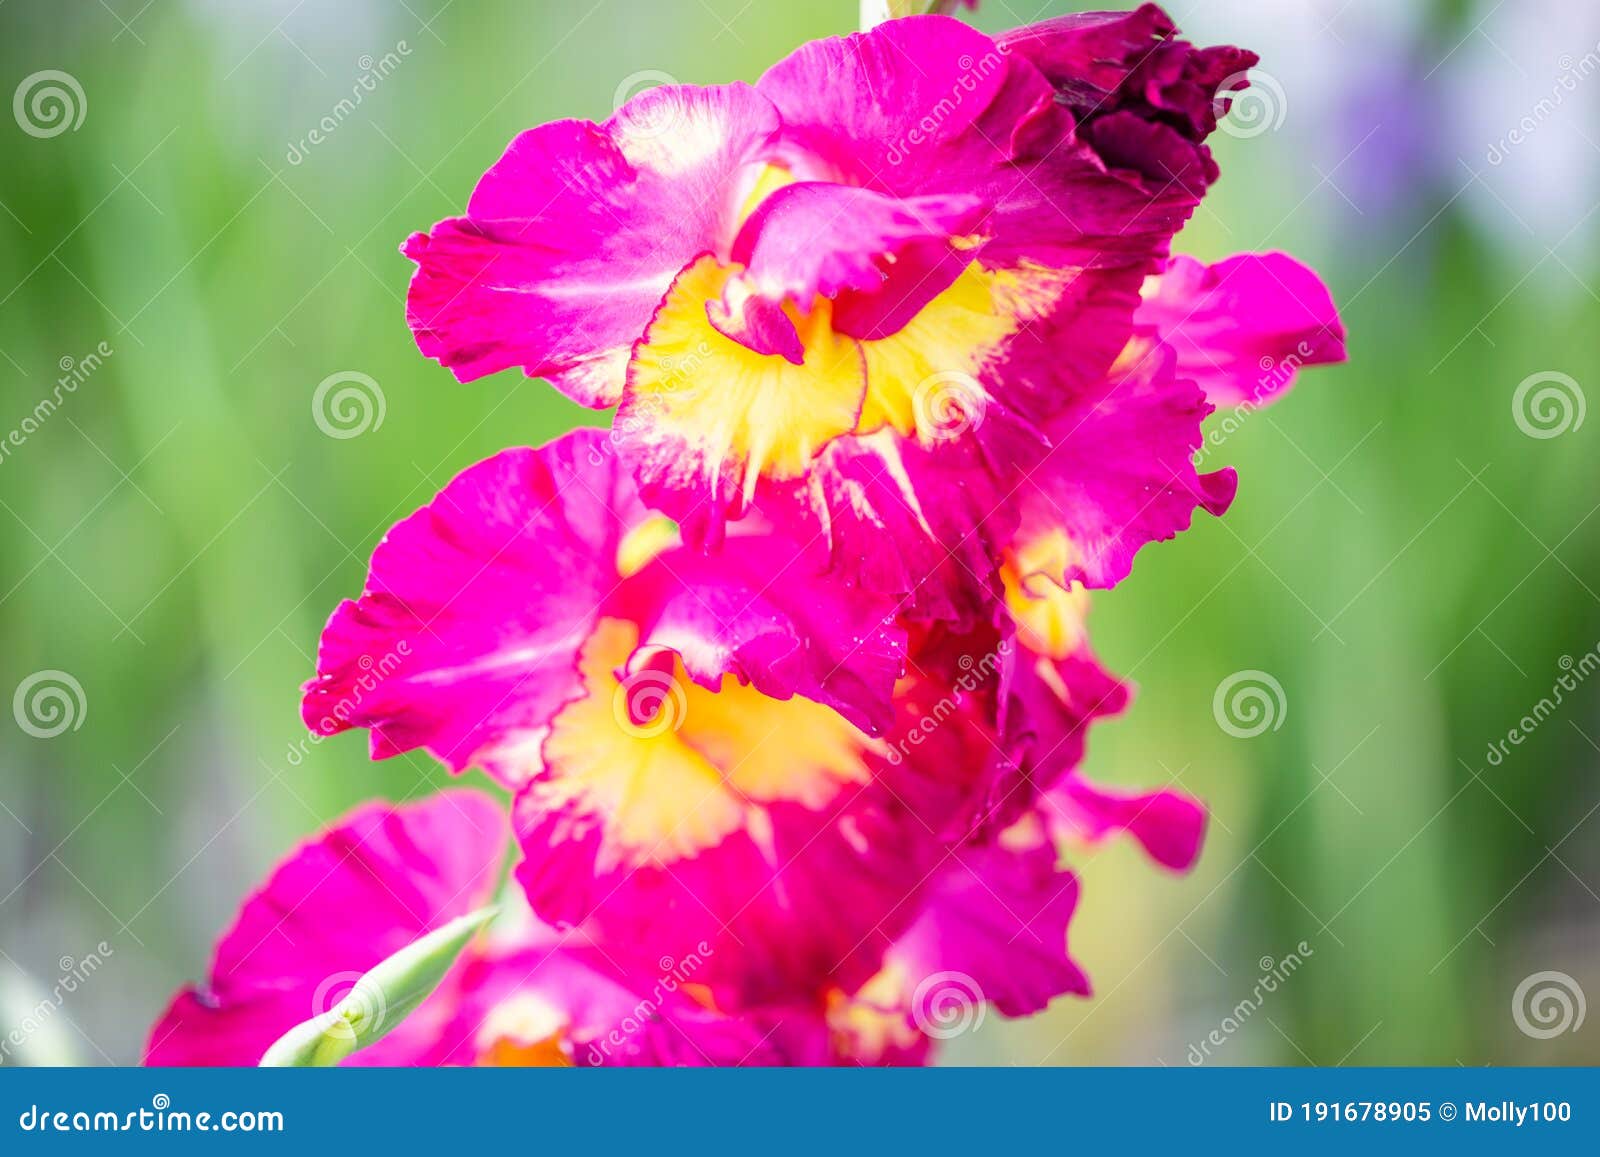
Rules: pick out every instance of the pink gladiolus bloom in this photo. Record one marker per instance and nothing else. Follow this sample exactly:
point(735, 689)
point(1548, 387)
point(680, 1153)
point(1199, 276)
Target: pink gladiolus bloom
point(542, 628)
point(869, 295)
point(386, 874)
point(679, 729)
point(992, 926)
point(788, 672)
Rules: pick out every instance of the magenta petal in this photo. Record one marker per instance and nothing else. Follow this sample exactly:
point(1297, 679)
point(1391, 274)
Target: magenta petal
point(1243, 328)
point(881, 102)
point(1119, 474)
point(792, 914)
point(995, 924)
point(905, 521)
point(926, 520)
point(609, 1017)
point(464, 639)
point(1139, 101)
point(1047, 709)
point(574, 235)
point(930, 106)
point(816, 238)
point(1169, 825)
point(372, 883)
point(921, 271)
point(797, 898)
point(763, 610)
point(759, 324)
point(1084, 140)
point(388, 874)
point(1158, 155)
point(1082, 136)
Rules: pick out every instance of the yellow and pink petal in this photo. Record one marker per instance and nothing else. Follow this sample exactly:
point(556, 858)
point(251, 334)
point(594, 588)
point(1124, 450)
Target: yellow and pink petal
point(573, 236)
point(466, 641)
point(785, 839)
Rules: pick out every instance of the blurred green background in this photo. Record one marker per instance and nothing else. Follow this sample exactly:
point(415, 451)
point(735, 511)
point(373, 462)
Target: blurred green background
point(1406, 562)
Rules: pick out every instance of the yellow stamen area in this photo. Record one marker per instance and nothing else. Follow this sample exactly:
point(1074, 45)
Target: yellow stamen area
point(937, 361)
point(524, 1031)
point(644, 542)
point(1050, 618)
point(769, 179)
point(699, 768)
point(737, 411)
point(743, 416)
point(872, 1021)
point(947, 342)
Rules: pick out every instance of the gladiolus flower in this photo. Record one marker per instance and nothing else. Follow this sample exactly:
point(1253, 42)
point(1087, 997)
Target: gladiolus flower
point(869, 295)
point(789, 673)
point(372, 884)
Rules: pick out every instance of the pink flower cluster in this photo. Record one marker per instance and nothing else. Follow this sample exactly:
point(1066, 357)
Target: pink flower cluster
point(787, 672)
